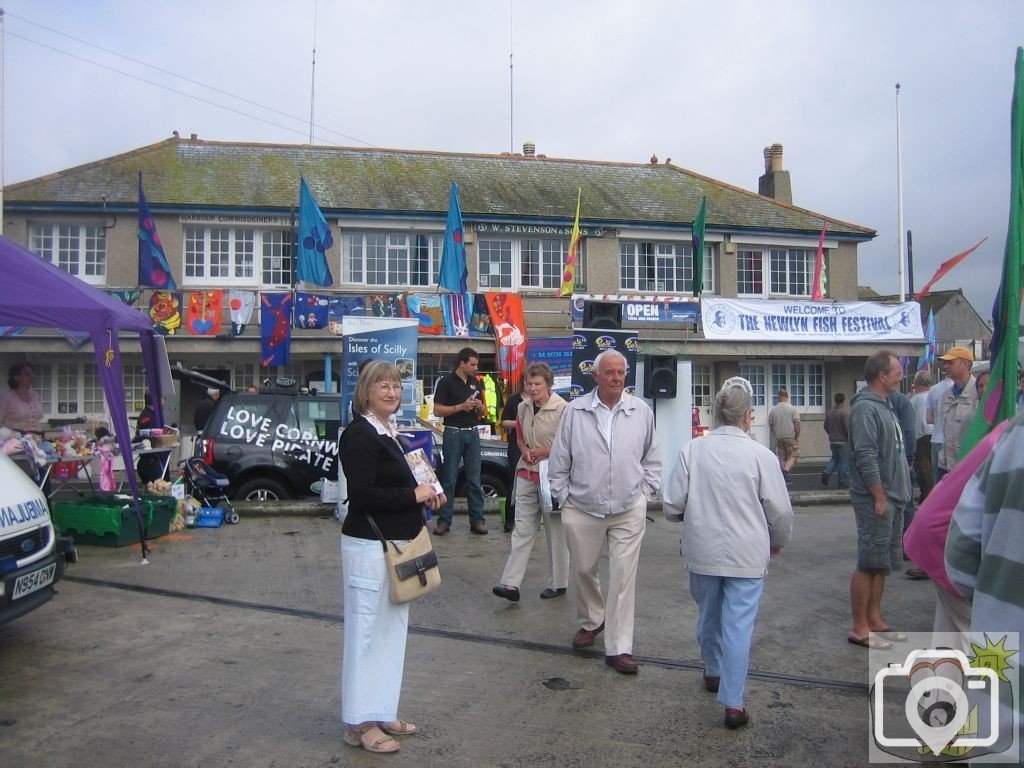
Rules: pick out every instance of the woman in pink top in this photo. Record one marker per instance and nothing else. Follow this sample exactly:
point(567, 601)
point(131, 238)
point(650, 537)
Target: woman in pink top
point(20, 406)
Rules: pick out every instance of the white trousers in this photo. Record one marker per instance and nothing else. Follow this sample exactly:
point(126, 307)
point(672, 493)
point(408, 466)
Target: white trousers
point(373, 655)
point(586, 536)
point(528, 516)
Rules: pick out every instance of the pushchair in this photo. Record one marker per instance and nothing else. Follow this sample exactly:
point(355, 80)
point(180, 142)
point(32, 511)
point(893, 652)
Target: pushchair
point(208, 486)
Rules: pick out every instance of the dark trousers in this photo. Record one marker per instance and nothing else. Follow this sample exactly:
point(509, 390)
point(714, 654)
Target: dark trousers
point(461, 446)
point(923, 466)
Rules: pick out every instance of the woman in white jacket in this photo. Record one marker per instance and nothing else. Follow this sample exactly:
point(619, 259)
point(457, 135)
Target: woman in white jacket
point(729, 493)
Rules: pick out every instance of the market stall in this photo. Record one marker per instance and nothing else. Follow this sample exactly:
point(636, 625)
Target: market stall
point(35, 293)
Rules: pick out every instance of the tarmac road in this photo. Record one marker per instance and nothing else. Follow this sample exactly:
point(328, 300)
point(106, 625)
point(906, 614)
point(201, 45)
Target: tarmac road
point(225, 651)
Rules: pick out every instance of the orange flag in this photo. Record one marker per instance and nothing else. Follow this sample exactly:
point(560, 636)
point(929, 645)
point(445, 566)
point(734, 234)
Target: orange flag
point(945, 266)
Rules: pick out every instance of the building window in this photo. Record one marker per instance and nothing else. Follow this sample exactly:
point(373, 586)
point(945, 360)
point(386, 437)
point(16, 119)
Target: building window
point(78, 249)
point(661, 267)
point(135, 386)
point(789, 271)
point(391, 258)
point(527, 263)
point(803, 381)
point(227, 256)
point(277, 257)
point(755, 375)
point(702, 385)
point(71, 390)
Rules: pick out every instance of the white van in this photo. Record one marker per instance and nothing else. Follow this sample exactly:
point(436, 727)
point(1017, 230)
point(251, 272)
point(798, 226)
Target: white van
point(32, 556)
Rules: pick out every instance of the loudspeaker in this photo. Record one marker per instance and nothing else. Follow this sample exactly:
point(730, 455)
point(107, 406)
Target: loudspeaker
point(659, 377)
point(606, 315)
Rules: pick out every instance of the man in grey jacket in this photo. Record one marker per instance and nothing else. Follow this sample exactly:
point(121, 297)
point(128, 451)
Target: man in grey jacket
point(879, 490)
point(603, 466)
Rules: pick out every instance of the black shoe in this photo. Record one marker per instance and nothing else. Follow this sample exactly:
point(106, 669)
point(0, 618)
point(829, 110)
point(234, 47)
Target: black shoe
point(824, 478)
point(549, 593)
point(509, 593)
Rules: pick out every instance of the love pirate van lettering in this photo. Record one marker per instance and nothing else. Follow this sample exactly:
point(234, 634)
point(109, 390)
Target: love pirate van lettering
point(302, 445)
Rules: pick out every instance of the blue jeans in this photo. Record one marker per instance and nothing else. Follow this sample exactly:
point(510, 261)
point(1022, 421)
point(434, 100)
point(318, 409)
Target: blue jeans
point(839, 461)
point(728, 608)
point(461, 446)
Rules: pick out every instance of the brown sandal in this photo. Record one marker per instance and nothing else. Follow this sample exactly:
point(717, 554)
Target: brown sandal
point(372, 740)
point(398, 728)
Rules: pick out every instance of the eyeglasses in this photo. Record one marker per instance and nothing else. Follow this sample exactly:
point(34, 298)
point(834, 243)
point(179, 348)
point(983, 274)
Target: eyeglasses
point(388, 387)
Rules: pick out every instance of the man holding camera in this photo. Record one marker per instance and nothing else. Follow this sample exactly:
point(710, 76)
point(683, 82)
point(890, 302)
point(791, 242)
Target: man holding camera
point(458, 399)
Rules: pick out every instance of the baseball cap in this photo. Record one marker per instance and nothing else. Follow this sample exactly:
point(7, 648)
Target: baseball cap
point(958, 353)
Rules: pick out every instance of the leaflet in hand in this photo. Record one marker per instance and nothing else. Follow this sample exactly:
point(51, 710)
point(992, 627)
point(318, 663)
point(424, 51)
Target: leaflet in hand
point(422, 469)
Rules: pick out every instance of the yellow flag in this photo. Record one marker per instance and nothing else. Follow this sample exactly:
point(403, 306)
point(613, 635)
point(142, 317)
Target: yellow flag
point(569, 268)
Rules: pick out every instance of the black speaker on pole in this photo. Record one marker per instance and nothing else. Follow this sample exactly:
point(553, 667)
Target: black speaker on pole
point(659, 377)
point(606, 315)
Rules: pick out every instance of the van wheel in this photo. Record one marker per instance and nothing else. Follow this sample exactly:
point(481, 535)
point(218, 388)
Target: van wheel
point(262, 489)
point(493, 486)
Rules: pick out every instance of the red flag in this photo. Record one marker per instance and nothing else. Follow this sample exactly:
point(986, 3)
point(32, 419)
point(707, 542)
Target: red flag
point(945, 266)
point(506, 310)
point(820, 280)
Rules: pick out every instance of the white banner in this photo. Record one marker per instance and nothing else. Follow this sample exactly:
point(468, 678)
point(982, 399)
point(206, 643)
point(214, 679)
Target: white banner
point(834, 321)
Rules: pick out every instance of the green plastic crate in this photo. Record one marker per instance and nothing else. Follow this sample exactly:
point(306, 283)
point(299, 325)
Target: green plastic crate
point(165, 508)
point(100, 521)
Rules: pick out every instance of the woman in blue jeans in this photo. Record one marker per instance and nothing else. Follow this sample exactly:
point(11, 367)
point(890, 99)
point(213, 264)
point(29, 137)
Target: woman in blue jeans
point(729, 493)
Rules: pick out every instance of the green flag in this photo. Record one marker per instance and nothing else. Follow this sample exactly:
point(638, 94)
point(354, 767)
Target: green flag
point(698, 247)
point(1000, 399)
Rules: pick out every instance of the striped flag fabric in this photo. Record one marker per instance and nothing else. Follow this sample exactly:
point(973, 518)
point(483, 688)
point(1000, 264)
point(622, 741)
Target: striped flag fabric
point(572, 255)
point(820, 285)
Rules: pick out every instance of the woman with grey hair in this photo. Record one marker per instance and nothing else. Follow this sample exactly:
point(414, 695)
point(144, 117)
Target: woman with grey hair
point(728, 491)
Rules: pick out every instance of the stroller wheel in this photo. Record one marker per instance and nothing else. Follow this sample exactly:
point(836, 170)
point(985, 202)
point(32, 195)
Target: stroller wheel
point(231, 517)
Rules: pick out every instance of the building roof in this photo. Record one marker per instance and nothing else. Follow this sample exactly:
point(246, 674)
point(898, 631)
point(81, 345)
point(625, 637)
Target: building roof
point(186, 174)
point(931, 301)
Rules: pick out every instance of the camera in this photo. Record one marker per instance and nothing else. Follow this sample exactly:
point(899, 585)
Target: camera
point(937, 691)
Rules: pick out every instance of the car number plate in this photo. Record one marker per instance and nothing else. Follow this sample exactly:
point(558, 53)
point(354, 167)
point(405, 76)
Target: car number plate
point(30, 582)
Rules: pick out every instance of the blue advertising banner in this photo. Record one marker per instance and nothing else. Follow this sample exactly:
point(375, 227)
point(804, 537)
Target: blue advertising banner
point(394, 339)
point(556, 352)
point(587, 344)
point(643, 309)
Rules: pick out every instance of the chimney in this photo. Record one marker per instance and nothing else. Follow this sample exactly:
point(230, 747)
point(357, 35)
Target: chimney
point(775, 182)
point(529, 149)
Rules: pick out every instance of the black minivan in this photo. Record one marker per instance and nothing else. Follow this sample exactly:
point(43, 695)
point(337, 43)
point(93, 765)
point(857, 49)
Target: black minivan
point(281, 442)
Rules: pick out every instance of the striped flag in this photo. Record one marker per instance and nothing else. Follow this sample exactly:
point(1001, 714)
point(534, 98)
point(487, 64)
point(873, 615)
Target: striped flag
point(1000, 399)
point(820, 285)
point(697, 237)
point(572, 257)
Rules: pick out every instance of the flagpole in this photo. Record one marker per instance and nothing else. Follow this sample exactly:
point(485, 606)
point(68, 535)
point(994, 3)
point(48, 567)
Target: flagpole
point(511, 105)
point(899, 198)
point(312, 74)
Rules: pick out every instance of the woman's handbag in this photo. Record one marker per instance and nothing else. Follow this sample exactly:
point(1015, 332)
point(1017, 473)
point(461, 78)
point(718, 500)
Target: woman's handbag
point(412, 567)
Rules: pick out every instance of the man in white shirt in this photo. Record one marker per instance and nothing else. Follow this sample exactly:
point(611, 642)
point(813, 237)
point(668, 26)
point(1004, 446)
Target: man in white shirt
point(603, 467)
point(923, 456)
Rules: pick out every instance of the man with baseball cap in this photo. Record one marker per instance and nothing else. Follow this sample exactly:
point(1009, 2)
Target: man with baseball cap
point(957, 406)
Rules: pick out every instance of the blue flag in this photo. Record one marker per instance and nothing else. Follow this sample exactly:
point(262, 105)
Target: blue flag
point(315, 239)
point(929, 351)
point(154, 270)
point(453, 258)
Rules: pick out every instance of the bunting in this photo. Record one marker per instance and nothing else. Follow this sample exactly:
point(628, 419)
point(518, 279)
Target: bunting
point(203, 316)
point(311, 310)
point(506, 310)
point(241, 304)
point(165, 312)
point(275, 328)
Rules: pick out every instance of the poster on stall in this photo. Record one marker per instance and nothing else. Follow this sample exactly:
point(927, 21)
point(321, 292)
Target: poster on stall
point(394, 339)
point(556, 351)
point(587, 344)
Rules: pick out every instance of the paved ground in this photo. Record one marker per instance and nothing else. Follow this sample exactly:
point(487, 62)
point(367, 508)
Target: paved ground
point(224, 651)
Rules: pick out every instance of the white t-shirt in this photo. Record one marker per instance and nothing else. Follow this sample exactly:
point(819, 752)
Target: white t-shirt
point(920, 403)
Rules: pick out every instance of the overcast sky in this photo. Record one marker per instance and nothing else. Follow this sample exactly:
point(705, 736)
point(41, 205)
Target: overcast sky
point(708, 84)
